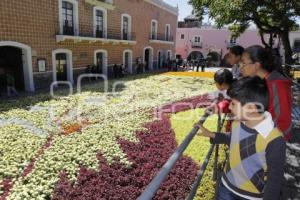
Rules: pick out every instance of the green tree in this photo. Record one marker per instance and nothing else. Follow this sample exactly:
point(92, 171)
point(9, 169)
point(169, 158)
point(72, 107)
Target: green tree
point(274, 17)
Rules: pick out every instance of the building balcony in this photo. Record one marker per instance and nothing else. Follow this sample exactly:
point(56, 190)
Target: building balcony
point(67, 31)
point(197, 45)
point(161, 38)
point(108, 4)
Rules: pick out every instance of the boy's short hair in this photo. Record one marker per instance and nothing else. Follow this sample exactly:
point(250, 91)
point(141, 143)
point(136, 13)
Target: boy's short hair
point(223, 76)
point(250, 90)
point(237, 50)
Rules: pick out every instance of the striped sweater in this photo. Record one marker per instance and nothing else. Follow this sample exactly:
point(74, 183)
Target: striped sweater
point(256, 160)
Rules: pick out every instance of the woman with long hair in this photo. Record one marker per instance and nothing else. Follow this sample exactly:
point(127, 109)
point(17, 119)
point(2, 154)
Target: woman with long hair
point(258, 61)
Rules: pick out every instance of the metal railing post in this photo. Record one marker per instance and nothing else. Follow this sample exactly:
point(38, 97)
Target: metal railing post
point(152, 188)
point(200, 173)
point(206, 161)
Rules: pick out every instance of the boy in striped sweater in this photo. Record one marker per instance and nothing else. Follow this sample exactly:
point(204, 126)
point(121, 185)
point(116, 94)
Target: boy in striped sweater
point(255, 166)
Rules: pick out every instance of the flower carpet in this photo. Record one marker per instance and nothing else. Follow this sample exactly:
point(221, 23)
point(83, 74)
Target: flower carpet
point(192, 74)
point(101, 143)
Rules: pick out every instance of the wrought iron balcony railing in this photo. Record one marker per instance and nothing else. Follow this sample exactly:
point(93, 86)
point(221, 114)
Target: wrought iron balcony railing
point(161, 37)
point(71, 29)
point(196, 44)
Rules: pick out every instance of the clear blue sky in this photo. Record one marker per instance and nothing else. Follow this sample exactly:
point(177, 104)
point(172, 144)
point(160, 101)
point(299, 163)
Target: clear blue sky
point(184, 8)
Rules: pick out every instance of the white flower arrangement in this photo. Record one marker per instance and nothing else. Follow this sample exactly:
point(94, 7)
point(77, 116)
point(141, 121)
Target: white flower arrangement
point(117, 115)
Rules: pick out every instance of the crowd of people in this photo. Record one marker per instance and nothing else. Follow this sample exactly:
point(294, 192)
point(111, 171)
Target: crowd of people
point(258, 96)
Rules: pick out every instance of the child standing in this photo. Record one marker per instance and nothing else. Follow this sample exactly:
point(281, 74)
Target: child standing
point(234, 57)
point(257, 149)
point(223, 79)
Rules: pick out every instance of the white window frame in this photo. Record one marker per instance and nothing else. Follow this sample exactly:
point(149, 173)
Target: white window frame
point(151, 56)
point(156, 27)
point(69, 64)
point(129, 24)
point(105, 61)
point(130, 59)
point(197, 36)
point(60, 17)
point(168, 33)
point(104, 20)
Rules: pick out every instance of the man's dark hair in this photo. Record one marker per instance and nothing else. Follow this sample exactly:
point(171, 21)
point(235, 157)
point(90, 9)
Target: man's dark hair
point(250, 90)
point(237, 50)
point(223, 76)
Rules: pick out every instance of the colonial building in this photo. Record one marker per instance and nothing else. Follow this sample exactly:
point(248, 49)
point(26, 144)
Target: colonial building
point(54, 40)
point(196, 39)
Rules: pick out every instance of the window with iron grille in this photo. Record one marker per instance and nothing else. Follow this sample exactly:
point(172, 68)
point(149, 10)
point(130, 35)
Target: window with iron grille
point(154, 30)
point(167, 32)
point(125, 28)
point(68, 18)
point(197, 39)
point(99, 24)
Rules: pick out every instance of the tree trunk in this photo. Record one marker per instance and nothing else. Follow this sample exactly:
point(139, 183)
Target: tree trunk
point(263, 39)
point(271, 40)
point(287, 47)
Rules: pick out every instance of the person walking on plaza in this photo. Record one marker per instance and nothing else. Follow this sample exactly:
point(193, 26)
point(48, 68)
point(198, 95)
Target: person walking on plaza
point(177, 64)
point(121, 71)
point(2, 76)
point(257, 61)
point(198, 65)
point(234, 58)
point(169, 64)
point(115, 70)
point(10, 82)
point(2, 79)
point(203, 63)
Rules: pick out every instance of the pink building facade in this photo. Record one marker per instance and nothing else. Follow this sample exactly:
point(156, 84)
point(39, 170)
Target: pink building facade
point(206, 39)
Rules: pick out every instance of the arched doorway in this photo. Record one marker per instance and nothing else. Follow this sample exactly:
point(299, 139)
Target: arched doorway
point(195, 55)
point(148, 58)
point(100, 60)
point(213, 59)
point(127, 60)
point(16, 59)
point(62, 65)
